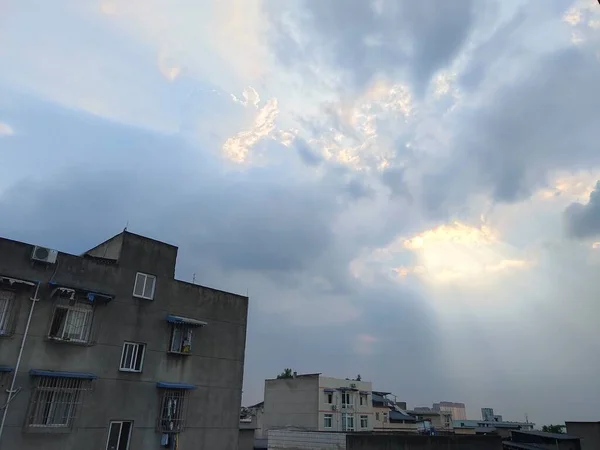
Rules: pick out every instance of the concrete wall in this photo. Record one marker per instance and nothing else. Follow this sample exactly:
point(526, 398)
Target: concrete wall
point(292, 402)
point(407, 442)
point(215, 365)
point(588, 432)
point(304, 440)
point(246, 439)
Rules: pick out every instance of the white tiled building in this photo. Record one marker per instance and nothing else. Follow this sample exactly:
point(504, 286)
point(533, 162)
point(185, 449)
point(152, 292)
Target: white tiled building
point(317, 403)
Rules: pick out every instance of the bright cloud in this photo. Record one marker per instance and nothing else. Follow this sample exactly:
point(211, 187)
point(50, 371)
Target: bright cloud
point(237, 148)
point(451, 253)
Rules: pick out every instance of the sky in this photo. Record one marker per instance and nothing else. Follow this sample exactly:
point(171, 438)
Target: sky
point(406, 190)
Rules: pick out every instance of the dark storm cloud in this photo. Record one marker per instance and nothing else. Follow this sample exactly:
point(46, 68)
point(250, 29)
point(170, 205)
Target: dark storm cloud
point(507, 147)
point(254, 221)
point(421, 35)
point(583, 221)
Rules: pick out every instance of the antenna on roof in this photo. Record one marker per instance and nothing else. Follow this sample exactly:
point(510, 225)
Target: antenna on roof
point(194, 279)
point(126, 225)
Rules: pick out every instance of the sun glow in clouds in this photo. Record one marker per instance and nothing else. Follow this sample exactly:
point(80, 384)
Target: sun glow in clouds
point(452, 253)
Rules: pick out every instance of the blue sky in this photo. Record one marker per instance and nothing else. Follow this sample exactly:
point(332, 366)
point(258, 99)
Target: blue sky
point(406, 190)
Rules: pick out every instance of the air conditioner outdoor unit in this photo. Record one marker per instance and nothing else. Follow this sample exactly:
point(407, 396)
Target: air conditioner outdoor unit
point(43, 254)
point(333, 407)
point(353, 385)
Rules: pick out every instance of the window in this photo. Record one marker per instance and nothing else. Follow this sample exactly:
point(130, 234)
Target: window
point(172, 411)
point(72, 320)
point(144, 286)
point(377, 416)
point(363, 399)
point(132, 357)
point(181, 339)
point(385, 417)
point(119, 434)
point(346, 399)
point(7, 300)
point(328, 397)
point(328, 421)
point(347, 422)
point(55, 401)
point(364, 421)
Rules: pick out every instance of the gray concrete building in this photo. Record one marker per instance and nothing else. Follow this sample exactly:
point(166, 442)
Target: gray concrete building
point(118, 355)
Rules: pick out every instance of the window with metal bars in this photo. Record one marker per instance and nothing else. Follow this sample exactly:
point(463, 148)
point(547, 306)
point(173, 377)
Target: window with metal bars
point(181, 339)
point(55, 401)
point(7, 313)
point(71, 320)
point(132, 357)
point(119, 435)
point(173, 407)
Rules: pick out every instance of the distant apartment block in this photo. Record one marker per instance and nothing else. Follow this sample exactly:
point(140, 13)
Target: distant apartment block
point(490, 427)
point(487, 414)
point(317, 403)
point(388, 416)
point(118, 355)
point(458, 410)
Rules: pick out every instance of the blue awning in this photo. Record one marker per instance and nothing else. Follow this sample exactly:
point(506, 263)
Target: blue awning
point(91, 295)
point(6, 369)
point(169, 385)
point(184, 320)
point(328, 390)
point(54, 373)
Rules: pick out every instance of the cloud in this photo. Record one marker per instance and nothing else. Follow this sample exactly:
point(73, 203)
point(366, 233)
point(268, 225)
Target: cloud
point(366, 39)
point(402, 170)
point(583, 220)
point(450, 253)
point(237, 148)
point(365, 344)
point(6, 130)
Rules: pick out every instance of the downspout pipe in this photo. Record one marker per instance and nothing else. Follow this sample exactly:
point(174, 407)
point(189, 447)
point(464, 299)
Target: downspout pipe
point(11, 390)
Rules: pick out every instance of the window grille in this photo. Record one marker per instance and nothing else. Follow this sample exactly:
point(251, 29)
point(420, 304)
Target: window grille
point(55, 401)
point(173, 408)
point(181, 339)
point(7, 312)
point(132, 357)
point(71, 320)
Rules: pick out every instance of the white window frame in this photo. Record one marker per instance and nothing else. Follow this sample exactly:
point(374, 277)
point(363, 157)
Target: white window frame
point(347, 421)
point(137, 348)
point(366, 421)
point(120, 424)
point(141, 277)
point(327, 417)
point(184, 333)
point(329, 398)
point(66, 330)
point(7, 304)
point(346, 398)
point(364, 400)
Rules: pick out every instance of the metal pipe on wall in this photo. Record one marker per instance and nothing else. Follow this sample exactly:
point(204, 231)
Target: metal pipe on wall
point(11, 390)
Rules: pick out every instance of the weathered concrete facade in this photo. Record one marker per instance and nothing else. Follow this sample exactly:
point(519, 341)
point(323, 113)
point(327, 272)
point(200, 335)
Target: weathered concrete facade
point(209, 373)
